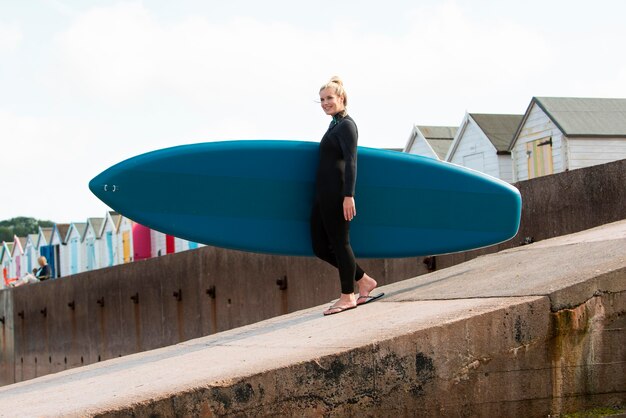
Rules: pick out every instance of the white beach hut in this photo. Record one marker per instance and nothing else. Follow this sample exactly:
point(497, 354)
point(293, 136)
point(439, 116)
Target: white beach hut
point(90, 244)
point(560, 133)
point(482, 143)
point(74, 251)
point(107, 246)
point(430, 141)
point(158, 242)
point(31, 252)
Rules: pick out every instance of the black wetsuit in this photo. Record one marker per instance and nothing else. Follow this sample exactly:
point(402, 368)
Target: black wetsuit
point(43, 273)
point(336, 179)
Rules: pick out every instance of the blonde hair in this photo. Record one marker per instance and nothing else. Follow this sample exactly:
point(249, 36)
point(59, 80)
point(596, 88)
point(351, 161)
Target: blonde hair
point(336, 84)
point(42, 260)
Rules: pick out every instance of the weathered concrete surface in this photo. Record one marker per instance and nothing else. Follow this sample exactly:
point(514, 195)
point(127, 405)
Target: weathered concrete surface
point(530, 331)
point(113, 312)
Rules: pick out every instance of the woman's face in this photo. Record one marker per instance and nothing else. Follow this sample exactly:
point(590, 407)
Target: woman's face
point(331, 103)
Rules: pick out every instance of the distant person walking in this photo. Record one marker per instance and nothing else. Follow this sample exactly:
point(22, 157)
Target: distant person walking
point(334, 206)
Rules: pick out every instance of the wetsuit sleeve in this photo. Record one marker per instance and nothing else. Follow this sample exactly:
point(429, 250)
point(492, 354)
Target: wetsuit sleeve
point(348, 138)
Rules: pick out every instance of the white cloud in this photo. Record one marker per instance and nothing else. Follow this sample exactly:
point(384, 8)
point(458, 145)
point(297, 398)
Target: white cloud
point(119, 53)
point(47, 165)
point(247, 71)
point(10, 37)
point(111, 52)
point(61, 7)
point(257, 69)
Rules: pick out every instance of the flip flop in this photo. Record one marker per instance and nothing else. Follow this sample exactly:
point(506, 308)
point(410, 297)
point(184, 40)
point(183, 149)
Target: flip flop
point(368, 299)
point(340, 309)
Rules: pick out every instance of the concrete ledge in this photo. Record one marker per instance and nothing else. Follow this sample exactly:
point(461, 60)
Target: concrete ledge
point(569, 270)
point(531, 331)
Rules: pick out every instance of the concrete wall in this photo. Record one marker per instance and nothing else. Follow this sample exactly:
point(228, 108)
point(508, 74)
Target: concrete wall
point(102, 314)
point(561, 204)
point(98, 315)
point(520, 361)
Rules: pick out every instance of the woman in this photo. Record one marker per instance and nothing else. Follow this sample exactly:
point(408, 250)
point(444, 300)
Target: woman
point(41, 274)
point(334, 205)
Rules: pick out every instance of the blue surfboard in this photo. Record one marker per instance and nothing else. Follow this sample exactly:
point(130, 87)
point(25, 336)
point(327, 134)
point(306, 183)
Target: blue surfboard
point(257, 195)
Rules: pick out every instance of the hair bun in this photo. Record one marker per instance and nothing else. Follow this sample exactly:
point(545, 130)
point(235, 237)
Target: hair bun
point(336, 80)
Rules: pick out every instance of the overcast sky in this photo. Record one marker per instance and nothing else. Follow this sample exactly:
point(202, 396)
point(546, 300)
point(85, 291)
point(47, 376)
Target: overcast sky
point(86, 84)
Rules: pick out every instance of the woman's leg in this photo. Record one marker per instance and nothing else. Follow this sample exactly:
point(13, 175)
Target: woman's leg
point(322, 246)
point(338, 235)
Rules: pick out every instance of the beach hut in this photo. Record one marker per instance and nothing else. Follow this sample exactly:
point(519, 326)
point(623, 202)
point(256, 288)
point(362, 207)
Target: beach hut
point(30, 252)
point(565, 133)
point(89, 244)
point(158, 243)
point(58, 249)
point(430, 141)
point(184, 245)
point(5, 273)
point(17, 256)
point(142, 242)
point(73, 246)
point(482, 143)
point(45, 249)
point(107, 246)
point(7, 263)
point(124, 236)
point(167, 244)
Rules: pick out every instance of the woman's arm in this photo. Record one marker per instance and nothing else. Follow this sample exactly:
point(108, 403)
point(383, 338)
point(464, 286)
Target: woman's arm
point(348, 138)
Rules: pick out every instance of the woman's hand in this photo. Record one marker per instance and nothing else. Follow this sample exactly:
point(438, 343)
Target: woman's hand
point(349, 208)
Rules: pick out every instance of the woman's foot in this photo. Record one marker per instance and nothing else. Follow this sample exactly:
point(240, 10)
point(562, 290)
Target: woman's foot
point(366, 285)
point(345, 302)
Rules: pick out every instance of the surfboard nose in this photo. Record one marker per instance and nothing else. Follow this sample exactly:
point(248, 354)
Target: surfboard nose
point(102, 186)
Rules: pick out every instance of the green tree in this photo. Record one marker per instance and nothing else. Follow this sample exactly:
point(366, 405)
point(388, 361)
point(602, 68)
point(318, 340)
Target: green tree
point(21, 226)
point(6, 233)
